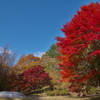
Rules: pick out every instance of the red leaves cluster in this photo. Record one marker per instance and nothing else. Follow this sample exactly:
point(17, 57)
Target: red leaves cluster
point(97, 52)
point(33, 78)
point(81, 41)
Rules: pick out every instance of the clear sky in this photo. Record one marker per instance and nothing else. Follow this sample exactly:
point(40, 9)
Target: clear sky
point(31, 26)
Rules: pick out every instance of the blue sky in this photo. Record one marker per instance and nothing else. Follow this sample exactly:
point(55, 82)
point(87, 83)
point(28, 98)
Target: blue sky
point(31, 26)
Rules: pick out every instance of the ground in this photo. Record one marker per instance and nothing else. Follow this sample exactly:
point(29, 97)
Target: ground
point(53, 98)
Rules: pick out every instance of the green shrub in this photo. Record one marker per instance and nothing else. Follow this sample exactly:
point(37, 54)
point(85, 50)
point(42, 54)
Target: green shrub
point(93, 90)
point(50, 93)
point(62, 92)
point(56, 93)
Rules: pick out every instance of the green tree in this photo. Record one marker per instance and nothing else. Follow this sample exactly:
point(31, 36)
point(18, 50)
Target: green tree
point(52, 67)
point(53, 51)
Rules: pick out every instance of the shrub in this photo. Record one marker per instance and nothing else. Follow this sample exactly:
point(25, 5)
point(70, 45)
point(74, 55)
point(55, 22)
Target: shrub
point(62, 92)
point(57, 93)
point(92, 90)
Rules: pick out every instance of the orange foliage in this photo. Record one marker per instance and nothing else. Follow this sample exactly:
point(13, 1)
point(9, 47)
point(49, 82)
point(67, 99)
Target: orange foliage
point(26, 62)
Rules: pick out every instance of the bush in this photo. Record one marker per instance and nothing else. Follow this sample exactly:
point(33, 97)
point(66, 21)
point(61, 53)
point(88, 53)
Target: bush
point(62, 92)
point(50, 93)
point(93, 90)
point(57, 93)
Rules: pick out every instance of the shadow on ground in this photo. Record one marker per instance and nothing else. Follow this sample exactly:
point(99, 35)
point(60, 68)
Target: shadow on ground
point(93, 98)
point(26, 98)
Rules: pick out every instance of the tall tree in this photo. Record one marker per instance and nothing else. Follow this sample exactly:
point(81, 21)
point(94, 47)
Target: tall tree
point(7, 56)
point(80, 49)
point(53, 51)
point(7, 59)
point(52, 68)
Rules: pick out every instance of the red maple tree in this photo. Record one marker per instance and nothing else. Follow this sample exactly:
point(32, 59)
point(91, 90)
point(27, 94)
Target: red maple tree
point(80, 49)
point(33, 78)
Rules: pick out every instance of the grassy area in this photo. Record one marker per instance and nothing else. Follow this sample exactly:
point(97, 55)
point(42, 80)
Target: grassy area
point(68, 98)
point(27, 98)
point(59, 98)
point(52, 98)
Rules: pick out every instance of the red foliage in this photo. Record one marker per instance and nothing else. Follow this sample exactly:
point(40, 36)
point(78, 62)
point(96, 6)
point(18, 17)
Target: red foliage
point(80, 33)
point(33, 78)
